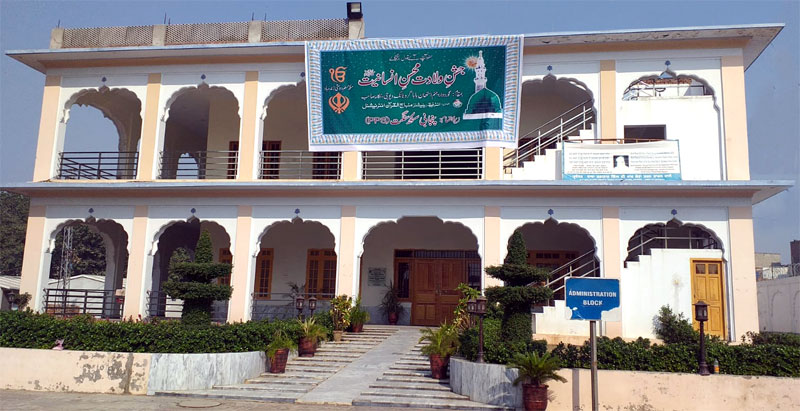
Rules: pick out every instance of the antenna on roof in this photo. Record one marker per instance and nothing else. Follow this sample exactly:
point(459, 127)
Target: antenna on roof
point(253, 16)
point(265, 16)
point(165, 18)
point(58, 25)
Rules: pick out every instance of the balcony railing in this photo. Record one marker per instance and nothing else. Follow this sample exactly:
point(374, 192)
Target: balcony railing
point(466, 164)
point(300, 165)
point(71, 302)
point(280, 306)
point(97, 165)
point(160, 305)
point(199, 165)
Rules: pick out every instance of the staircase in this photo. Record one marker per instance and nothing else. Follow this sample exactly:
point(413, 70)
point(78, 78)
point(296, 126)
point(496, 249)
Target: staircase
point(539, 155)
point(302, 373)
point(408, 383)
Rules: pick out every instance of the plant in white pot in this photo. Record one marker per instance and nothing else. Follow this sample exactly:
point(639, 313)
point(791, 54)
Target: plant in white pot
point(534, 373)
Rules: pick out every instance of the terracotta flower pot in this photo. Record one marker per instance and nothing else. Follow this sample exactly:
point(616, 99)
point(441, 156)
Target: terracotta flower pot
point(439, 366)
point(392, 318)
point(534, 397)
point(306, 347)
point(337, 335)
point(357, 328)
point(277, 364)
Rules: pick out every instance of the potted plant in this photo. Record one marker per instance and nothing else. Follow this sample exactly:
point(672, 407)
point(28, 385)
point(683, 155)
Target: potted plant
point(310, 334)
point(391, 306)
point(278, 351)
point(441, 344)
point(534, 372)
point(340, 315)
point(358, 317)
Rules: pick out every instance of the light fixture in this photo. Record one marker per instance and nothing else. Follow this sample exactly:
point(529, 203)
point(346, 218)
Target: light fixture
point(471, 303)
point(701, 315)
point(312, 304)
point(298, 304)
point(480, 307)
point(354, 11)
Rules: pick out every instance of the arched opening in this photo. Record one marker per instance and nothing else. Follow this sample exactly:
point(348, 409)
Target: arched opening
point(566, 249)
point(201, 139)
point(426, 259)
point(89, 151)
point(552, 110)
point(676, 265)
point(284, 145)
point(88, 267)
point(666, 85)
point(295, 257)
point(184, 235)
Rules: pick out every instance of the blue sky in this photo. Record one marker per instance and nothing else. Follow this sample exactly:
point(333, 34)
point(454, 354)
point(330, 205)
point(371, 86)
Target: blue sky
point(773, 82)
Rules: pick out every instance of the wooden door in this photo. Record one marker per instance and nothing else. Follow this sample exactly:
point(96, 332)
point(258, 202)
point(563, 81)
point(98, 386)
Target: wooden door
point(707, 286)
point(424, 292)
point(452, 273)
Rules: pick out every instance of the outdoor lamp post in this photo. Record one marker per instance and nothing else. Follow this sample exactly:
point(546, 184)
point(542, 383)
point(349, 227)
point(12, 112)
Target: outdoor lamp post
point(701, 315)
point(480, 309)
point(298, 303)
point(312, 304)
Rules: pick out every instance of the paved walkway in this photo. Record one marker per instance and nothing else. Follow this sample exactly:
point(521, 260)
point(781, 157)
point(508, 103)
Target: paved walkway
point(347, 384)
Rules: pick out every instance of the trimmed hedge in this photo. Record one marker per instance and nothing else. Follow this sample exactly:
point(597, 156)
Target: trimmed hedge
point(25, 329)
point(495, 349)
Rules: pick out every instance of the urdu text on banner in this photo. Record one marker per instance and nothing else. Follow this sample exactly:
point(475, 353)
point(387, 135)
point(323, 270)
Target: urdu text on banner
point(413, 94)
point(658, 160)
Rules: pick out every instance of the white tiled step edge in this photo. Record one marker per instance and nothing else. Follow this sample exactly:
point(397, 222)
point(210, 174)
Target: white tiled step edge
point(253, 395)
point(450, 404)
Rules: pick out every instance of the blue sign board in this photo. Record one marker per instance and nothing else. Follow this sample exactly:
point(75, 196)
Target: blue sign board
point(588, 298)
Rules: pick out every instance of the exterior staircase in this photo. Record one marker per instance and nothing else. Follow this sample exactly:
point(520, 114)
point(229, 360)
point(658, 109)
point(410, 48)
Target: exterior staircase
point(302, 373)
point(408, 383)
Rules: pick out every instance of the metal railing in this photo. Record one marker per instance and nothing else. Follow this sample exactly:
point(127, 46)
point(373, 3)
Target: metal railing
point(280, 306)
point(649, 238)
point(71, 302)
point(550, 134)
point(300, 165)
point(645, 89)
point(160, 305)
point(585, 265)
point(97, 165)
point(465, 164)
point(200, 165)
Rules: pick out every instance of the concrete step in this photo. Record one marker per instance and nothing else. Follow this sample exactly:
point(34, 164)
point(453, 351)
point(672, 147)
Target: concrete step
point(343, 353)
point(420, 380)
point(410, 367)
point(448, 404)
point(413, 362)
point(264, 395)
point(321, 359)
point(268, 387)
point(409, 386)
point(443, 395)
point(408, 373)
point(314, 370)
point(288, 380)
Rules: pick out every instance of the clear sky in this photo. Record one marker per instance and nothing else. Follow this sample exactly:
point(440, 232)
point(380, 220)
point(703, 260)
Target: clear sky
point(773, 82)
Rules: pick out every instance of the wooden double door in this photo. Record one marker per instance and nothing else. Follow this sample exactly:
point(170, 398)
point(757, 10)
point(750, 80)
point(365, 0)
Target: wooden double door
point(434, 295)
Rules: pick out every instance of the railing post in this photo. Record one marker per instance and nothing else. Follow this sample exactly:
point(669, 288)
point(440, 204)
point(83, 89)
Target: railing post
point(99, 162)
point(85, 300)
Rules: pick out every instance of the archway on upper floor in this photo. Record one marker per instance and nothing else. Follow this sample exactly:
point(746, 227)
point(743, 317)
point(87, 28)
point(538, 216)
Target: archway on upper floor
point(425, 258)
point(201, 137)
point(566, 249)
point(101, 136)
point(184, 235)
point(295, 257)
point(88, 266)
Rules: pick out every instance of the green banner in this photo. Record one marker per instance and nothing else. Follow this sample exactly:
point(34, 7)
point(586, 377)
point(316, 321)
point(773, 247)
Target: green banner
point(417, 94)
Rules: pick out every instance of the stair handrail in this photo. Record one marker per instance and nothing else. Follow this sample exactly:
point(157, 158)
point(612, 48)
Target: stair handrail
point(568, 264)
point(571, 274)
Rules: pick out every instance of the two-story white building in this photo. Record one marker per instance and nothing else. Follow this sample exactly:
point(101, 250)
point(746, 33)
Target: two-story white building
point(213, 135)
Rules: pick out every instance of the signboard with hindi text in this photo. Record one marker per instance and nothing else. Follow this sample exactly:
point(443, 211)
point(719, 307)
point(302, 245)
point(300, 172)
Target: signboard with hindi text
point(658, 160)
point(413, 94)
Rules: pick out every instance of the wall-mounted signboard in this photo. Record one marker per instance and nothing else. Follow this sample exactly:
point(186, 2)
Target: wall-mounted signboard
point(659, 160)
point(413, 94)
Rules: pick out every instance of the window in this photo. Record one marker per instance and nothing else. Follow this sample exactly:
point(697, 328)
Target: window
point(263, 274)
point(271, 160)
point(403, 280)
point(321, 273)
point(225, 256)
point(635, 134)
point(233, 150)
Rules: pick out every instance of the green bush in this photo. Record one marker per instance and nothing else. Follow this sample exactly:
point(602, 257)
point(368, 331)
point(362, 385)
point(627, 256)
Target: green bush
point(674, 328)
point(787, 339)
point(495, 348)
point(25, 329)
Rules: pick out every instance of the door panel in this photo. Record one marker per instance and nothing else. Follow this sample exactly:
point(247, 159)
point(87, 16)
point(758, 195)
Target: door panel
point(434, 294)
point(452, 273)
point(707, 286)
point(424, 293)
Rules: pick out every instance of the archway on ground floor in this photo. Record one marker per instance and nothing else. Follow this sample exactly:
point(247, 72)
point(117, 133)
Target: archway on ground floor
point(184, 235)
point(296, 257)
point(88, 266)
point(684, 263)
point(566, 249)
point(425, 258)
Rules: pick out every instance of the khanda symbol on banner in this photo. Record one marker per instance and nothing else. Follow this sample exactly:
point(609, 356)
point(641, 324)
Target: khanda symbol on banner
point(337, 74)
point(339, 103)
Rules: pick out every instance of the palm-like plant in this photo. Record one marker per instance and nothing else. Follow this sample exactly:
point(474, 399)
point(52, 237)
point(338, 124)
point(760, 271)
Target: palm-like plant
point(442, 341)
point(311, 330)
point(536, 370)
point(280, 341)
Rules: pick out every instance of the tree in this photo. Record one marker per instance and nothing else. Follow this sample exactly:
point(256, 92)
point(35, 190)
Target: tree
point(190, 281)
point(88, 252)
point(524, 286)
point(13, 224)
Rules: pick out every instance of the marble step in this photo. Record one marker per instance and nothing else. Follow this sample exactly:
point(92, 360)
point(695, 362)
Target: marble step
point(435, 403)
point(408, 373)
point(411, 367)
point(409, 386)
point(413, 362)
point(253, 395)
point(336, 354)
point(287, 380)
point(314, 370)
point(423, 380)
point(444, 395)
point(321, 359)
point(267, 387)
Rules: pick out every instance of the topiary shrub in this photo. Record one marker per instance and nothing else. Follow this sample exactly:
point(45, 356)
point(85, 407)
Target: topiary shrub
point(524, 286)
point(674, 328)
point(191, 282)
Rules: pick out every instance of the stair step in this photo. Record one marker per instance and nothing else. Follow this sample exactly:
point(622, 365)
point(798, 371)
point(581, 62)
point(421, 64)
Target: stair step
point(383, 392)
point(414, 362)
point(268, 387)
point(336, 354)
point(312, 370)
point(451, 404)
point(264, 395)
point(422, 380)
point(321, 359)
point(408, 373)
point(287, 379)
point(410, 367)
point(409, 386)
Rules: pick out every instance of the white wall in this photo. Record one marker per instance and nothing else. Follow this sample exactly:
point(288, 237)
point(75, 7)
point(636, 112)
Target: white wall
point(779, 305)
point(290, 242)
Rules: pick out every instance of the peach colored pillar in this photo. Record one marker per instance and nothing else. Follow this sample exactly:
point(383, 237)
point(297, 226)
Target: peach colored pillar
point(345, 283)
point(493, 161)
point(134, 288)
point(147, 150)
point(742, 271)
point(350, 166)
point(737, 161)
point(46, 155)
point(492, 243)
point(34, 275)
point(612, 264)
point(240, 277)
point(608, 100)
point(248, 149)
